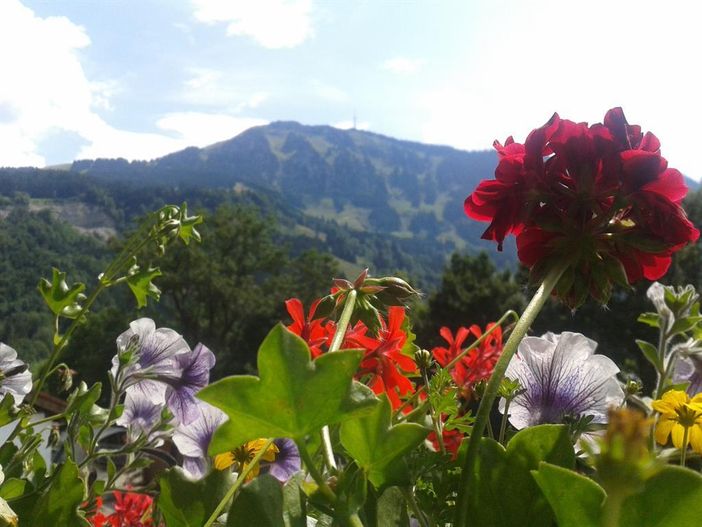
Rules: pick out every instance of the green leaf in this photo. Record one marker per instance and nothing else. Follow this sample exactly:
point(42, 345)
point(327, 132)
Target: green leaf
point(259, 503)
point(575, 499)
point(682, 325)
point(650, 319)
point(82, 399)
point(7, 410)
point(293, 397)
point(187, 503)
point(387, 510)
point(378, 447)
point(187, 225)
point(651, 354)
point(506, 493)
point(140, 282)
point(61, 299)
point(670, 498)
point(60, 504)
point(13, 488)
point(294, 504)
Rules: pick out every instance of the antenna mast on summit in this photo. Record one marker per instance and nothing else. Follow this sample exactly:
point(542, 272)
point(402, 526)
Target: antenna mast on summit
point(354, 119)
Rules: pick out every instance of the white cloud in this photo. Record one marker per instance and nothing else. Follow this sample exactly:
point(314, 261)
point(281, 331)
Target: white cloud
point(203, 129)
point(271, 23)
point(402, 65)
point(213, 88)
point(328, 91)
point(643, 68)
point(44, 92)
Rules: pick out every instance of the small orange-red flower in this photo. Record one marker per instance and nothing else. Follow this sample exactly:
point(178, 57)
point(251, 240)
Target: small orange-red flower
point(310, 330)
point(476, 365)
point(384, 364)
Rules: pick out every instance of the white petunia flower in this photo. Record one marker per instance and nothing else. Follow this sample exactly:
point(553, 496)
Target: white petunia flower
point(15, 378)
point(562, 378)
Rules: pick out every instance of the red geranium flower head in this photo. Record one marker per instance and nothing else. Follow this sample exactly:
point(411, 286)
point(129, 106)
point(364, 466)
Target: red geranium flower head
point(310, 330)
point(477, 364)
point(384, 365)
point(599, 200)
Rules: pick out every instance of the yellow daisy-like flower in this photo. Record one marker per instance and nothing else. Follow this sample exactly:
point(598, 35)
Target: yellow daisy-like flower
point(681, 419)
point(243, 456)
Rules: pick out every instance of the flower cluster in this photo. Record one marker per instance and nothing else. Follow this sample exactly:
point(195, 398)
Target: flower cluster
point(130, 510)
point(599, 200)
point(477, 364)
point(385, 366)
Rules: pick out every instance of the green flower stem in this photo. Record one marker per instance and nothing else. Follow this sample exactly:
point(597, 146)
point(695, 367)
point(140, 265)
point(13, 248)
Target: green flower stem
point(683, 450)
point(239, 481)
point(337, 340)
point(133, 245)
point(399, 416)
point(344, 321)
point(483, 415)
point(612, 509)
point(324, 488)
point(412, 502)
point(503, 423)
point(662, 376)
point(438, 429)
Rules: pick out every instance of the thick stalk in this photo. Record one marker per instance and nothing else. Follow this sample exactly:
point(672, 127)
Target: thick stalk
point(483, 415)
point(341, 327)
point(239, 481)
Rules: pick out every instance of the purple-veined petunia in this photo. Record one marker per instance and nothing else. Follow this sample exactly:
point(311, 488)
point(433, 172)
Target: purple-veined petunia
point(155, 358)
point(287, 460)
point(193, 440)
point(193, 374)
point(562, 378)
point(140, 416)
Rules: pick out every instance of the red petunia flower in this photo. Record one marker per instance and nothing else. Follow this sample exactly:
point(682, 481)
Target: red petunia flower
point(310, 330)
point(476, 365)
point(383, 362)
point(599, 199)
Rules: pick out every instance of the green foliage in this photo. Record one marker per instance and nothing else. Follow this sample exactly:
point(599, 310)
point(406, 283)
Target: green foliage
point(259, 503)
point(293, 396)
point(576, 500)
point(61, 299)
point(59, 504)
point(187, 503)
point(140, 282)
point(670, 498)
point(506, 493)
point(379, 447)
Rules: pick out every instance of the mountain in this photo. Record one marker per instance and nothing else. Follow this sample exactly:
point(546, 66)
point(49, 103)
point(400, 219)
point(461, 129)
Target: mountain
point(361, 180)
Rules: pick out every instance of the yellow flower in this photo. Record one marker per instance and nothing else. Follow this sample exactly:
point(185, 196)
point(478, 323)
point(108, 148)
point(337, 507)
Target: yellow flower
point(681, 418)
point(243, 456)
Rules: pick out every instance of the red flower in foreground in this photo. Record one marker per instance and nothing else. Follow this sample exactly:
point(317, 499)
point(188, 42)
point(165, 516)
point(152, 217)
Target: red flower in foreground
point(476, 365)
point(384, 361)
point(599, 199)
point(309, 329)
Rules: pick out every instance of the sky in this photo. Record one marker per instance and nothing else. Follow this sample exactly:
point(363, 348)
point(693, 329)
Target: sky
point(142, 78)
